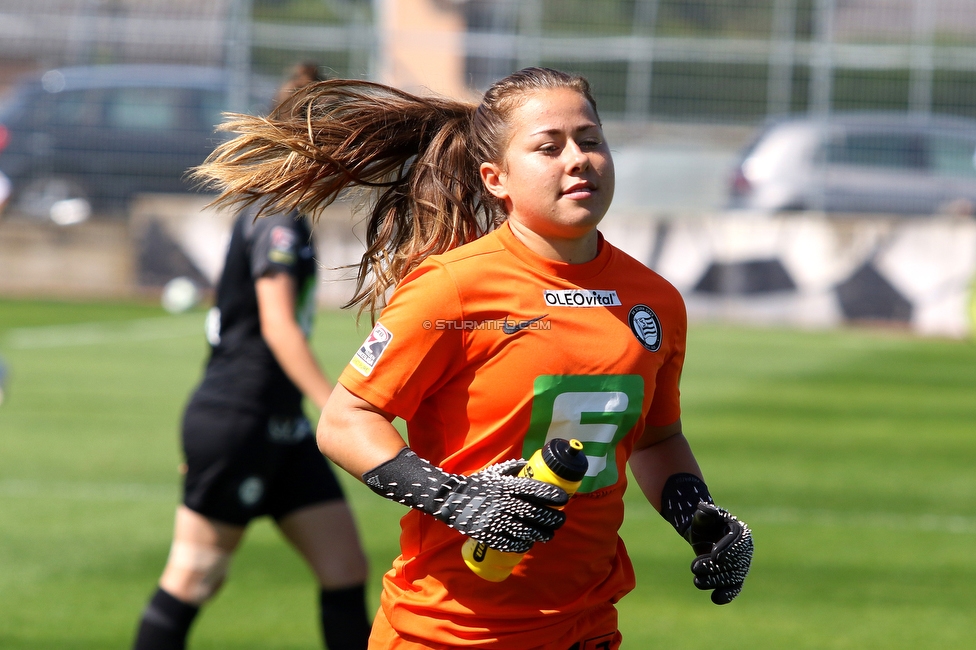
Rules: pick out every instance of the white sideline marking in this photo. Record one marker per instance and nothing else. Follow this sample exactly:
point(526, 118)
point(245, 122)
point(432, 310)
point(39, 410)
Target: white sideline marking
point(101, 333)
point(88, 491)
point(958, 524)
point(883, 520)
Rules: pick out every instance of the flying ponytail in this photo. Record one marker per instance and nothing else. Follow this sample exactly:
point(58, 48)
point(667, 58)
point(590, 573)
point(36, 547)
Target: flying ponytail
point(419, 157)
point(339, 134)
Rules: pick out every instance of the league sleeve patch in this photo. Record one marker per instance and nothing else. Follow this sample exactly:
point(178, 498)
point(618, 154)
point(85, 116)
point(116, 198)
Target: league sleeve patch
point(371, 350)
point(282, 249)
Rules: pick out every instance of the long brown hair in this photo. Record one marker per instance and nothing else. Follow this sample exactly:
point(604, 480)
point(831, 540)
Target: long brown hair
point(420, 156)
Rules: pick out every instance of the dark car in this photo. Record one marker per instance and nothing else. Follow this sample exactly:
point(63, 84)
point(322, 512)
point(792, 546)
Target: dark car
point(864, 162)
point(101, 134)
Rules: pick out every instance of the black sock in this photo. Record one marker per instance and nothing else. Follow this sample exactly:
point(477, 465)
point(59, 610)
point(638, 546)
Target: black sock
point(345, 625)
point(165, 623)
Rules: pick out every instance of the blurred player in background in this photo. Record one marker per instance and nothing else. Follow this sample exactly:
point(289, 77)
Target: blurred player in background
point(300, 75)
point(511, 321)
point(249, 449)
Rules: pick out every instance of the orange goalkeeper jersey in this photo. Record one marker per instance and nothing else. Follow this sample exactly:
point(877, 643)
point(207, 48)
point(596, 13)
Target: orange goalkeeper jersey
point(487, 352)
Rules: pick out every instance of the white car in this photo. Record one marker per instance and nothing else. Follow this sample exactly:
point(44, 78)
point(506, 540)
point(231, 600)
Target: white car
point(865, 162)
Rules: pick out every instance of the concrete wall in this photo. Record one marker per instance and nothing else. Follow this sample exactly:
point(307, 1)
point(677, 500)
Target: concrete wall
point(805, 270)
point(86, 260)
point(811, 270)
point(166, 236)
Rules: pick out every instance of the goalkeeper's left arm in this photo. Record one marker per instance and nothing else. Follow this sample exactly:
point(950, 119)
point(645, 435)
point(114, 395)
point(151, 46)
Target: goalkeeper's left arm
point(668, 474)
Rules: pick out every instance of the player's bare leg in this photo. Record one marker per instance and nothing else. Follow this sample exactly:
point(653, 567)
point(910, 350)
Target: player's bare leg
point(195, 570)
point(199, 557)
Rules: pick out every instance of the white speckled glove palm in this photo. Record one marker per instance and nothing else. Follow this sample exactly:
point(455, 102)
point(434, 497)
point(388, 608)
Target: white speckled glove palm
point(506, 512)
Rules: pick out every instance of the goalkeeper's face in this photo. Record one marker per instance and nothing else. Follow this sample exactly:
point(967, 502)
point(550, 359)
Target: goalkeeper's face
point(556, 178)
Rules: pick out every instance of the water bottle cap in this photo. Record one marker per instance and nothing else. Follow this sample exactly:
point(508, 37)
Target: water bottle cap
point(563, 457)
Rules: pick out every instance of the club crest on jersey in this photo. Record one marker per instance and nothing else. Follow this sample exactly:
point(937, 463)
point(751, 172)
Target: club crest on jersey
point(371, 350)
point(646, 326)
point(581, 298)
point(250, 490)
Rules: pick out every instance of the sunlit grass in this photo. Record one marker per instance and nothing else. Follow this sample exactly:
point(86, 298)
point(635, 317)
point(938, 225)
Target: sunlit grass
point(850, 454)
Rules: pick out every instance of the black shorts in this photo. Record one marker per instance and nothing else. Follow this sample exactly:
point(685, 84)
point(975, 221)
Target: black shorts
point(242, 465)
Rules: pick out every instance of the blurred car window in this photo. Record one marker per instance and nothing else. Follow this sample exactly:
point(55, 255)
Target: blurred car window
point(897, 150)
point(154, 109)
point(952, 156)
point(212, 107)
point(73, 108)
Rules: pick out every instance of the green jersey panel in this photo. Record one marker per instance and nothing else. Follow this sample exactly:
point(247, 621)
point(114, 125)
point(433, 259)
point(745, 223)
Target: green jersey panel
point(597, 410)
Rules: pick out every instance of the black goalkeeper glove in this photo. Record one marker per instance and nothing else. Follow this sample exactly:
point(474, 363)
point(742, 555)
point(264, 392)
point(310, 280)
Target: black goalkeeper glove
point(722, 543)
point(724, 548)
point(493, 506)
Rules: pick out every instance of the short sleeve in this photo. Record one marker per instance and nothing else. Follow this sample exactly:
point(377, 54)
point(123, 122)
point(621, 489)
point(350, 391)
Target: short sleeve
point(413, 348)
point(665, 406)
point(275, 245)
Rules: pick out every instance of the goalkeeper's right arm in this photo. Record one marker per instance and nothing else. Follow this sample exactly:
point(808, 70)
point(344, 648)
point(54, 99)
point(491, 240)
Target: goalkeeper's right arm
point(506, 512)
point(494, 506)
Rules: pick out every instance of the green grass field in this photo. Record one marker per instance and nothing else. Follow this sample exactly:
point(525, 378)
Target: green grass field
point(852, 455)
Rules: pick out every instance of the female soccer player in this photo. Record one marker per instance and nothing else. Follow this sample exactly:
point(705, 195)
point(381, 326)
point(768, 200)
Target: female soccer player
point(511, 321)
point(299, 75)
point(249, 449)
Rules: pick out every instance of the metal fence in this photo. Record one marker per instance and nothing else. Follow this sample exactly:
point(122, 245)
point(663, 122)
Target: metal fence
point(739, 59)
point(698, 75)
point(699, 60)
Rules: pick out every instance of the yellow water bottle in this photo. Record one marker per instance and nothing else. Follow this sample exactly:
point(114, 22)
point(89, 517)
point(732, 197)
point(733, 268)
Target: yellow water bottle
point(560, 463)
